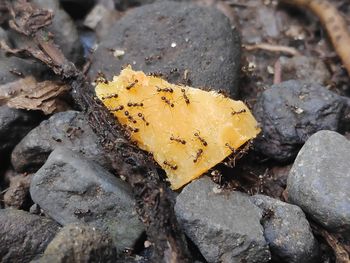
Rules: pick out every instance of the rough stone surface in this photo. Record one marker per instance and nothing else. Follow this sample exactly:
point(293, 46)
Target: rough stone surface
point(17, 194)
point(319, 181)
point(304, 68)
point(24, 66)
point(166, 35)
point(69, 129)
point(24, 236)
point(72, 189)
point(290, 112)
point(14, 125)
point(79, 243)
point(287, 231)
point(62, 27)
point(225, 226)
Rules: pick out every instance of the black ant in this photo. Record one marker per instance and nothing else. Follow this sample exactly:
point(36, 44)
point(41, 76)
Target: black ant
point(131, 85)
point(187, 100)
point(172, 138)
point(130, 104)
point(172, 166)
point(238, 112)
point(230, 147)
point(155, 74)
point(167, 101)
point(101, 78)
point(110, 96)
point(143, 118)
point(165, 90)
point(201, 139)
point(198, 155)
point(121, 107)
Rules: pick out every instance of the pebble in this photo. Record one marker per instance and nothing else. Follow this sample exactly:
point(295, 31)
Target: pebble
point(24, 236)
point(287, 231)
point(14, 125)
point(183, 41)
point(319, 181)
point(80, 242)
point(69, 129)
point(290, 112)
point(225, 226)
point(17, 194)
point(72, 189)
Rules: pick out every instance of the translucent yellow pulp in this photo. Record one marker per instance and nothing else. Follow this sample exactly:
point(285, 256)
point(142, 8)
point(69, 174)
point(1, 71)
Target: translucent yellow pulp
point(187, 130)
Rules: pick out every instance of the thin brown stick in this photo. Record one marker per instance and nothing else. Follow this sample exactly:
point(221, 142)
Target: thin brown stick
point(277, 77)
point(334, 23)
point(273, 48)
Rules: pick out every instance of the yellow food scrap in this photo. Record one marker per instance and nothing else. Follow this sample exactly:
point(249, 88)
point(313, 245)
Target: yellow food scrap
point(187, 130)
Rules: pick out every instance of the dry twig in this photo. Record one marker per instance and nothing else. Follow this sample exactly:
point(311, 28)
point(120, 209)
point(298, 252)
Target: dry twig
point(273, 48)
point(334, 23)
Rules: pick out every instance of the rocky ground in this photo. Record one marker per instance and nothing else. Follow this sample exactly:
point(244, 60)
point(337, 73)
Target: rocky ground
point(286, 200)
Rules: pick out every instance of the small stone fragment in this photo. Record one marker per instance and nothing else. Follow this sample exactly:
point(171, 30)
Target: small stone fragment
point(24, 236)
point(80, 242)
point(14, 125)
point(17, 194)
point(287, 231)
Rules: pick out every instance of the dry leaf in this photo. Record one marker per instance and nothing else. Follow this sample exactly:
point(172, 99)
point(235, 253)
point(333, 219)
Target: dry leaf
point(29, 94)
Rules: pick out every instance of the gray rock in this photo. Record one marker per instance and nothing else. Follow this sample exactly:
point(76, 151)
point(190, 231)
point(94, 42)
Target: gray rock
point(14, 125)
point(166, 35)
point(25, 67)
point(287, 231)
point(24, 236)
point(225, 226)
point(79, 243)
point(290, 112)
point(72, 189)
point(311, 69)
point(69, 129)
point(63, 29)
point(124, 4)
point(319, 181)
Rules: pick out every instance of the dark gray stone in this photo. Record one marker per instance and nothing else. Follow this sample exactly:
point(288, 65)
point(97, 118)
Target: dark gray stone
point(287, 231)
point(14, 125)
point(319, 181)
point(225, 226)
point(166, 35)
point(72, 189)
point(69, 129)
point(290, 112)
point(24, 236)
point(79, 243)
point(24, 66)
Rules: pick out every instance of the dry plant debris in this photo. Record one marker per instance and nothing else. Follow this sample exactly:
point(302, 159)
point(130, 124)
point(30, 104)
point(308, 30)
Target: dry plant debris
point(27, 93)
